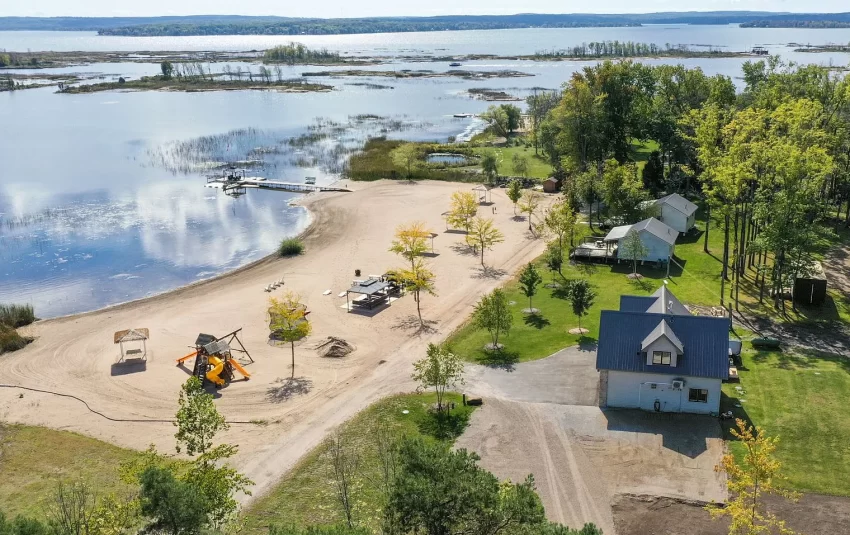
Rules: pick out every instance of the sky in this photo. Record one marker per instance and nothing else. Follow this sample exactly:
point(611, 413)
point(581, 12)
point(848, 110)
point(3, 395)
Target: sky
point(368, 8)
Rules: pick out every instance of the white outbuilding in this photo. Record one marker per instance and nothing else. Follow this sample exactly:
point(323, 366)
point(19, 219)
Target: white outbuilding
point(676, 212)
point(658, 238)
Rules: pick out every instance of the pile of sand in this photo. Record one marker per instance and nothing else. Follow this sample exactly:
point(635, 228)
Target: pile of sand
point(334, 347)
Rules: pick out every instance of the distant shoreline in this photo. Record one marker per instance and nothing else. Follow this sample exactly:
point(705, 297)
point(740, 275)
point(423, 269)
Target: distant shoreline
point(272, 25)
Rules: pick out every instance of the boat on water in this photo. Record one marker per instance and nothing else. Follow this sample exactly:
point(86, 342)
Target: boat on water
point(464, 115)
point(310, 180)
point(454, 64)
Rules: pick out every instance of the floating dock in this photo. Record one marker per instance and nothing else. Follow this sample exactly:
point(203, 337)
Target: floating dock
point(236, 186)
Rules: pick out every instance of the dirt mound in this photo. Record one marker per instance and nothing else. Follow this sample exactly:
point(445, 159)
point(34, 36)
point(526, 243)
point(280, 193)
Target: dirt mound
point(334, 347)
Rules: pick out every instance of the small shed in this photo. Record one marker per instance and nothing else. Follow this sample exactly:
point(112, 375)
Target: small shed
point(551, 185)
point(140, 334)
point(811, 289)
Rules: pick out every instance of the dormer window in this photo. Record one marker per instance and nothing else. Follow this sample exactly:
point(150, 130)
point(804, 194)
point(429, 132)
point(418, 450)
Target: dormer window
point(662, 358)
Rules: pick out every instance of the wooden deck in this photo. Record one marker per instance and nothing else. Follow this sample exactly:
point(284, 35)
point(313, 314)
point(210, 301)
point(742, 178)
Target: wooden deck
point(588, 252)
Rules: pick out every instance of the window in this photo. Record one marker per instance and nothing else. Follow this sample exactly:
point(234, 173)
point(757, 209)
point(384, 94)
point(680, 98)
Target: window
point(661, 357)
point(698, 395)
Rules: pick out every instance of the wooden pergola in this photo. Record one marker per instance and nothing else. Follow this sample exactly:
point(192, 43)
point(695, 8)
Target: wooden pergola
point(484, 195)
point(140, 334)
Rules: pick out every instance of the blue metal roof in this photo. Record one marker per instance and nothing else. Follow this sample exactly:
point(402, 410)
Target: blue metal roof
point(705, 341)
point(636, 303)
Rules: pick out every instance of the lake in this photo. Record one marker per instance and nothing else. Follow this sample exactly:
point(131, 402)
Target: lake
point(102, 196)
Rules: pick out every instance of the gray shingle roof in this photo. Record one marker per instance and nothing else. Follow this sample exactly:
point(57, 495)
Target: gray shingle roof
point(679, 203)
point(657, 228)
point(704, 338)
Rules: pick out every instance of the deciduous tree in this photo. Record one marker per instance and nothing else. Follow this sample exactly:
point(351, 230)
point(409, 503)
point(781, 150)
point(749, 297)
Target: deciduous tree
point(288, 321)
point(418, 279)
point(464, 207)
point(529, 280)
point(519, 164)
point(484, 235)
point(529, 204)
point(440, 369)
point(514, 192)
point(490, 167)
point(582, 297)
point(493, 314)
point(758, 475)
point(411, 241)
point(632, 248)
point(197, 419)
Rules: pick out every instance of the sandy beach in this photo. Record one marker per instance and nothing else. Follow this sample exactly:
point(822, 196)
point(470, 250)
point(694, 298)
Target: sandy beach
point(76, 355)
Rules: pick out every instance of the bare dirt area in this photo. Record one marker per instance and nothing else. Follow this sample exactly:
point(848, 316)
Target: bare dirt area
point(541, 418)
point(650, 515)
point(76, 355)
point(837, 268)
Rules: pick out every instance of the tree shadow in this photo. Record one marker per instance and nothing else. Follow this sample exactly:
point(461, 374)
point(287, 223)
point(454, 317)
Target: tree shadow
point(412, 323)
point(488, 272)
point(536, 320)
point(463, 249)
point(444, 425)
point(505, 360)
point(285, 389)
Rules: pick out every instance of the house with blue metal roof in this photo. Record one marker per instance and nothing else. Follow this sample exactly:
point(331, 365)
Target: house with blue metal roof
point(653, 354)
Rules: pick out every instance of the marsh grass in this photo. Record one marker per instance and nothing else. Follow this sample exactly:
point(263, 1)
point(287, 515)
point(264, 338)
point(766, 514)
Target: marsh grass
point(16, 315)
point(291, 247)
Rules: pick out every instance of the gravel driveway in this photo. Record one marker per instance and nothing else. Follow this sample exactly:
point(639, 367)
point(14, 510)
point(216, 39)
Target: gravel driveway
point(541, 418)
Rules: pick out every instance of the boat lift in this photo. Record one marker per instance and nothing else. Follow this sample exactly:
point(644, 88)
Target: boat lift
point(234, 183)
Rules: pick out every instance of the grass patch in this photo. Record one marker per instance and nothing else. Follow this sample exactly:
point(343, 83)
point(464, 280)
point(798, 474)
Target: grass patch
point(34, 459)
point(16, 315)
point(801, 397)
point(291, 247)
point(306, 495)
point(10, 340)
point(538, 166)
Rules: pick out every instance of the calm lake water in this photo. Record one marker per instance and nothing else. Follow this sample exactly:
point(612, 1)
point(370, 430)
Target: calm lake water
point(102, 196)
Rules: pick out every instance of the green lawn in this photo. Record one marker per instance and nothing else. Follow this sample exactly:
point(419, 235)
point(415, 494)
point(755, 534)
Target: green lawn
point(539, 336)
point(538, 166)
point(306, 496)
point(800, 397)
point(34, 459)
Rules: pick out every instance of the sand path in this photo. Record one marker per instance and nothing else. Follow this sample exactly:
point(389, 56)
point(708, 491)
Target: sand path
point(75, 355)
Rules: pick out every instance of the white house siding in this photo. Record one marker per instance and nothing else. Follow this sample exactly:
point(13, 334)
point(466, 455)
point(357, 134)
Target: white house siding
point(658, 249)
point(632, 390)
point(675, 219)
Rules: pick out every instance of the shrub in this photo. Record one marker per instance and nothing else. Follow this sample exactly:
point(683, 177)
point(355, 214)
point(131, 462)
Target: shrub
point(10, 340)
point(291, 247)
point(16, 315)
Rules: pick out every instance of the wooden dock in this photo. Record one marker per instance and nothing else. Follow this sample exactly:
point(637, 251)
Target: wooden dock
point(232, 184)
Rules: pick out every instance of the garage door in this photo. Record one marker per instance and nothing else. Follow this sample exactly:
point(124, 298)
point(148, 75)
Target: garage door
point(669, 400)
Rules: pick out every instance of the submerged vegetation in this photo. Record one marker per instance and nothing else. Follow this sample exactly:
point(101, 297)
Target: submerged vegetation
point(296, 53)
point(630, 49)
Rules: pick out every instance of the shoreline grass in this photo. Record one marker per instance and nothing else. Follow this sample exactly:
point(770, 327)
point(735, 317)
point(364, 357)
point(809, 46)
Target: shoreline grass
point(291, 247)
